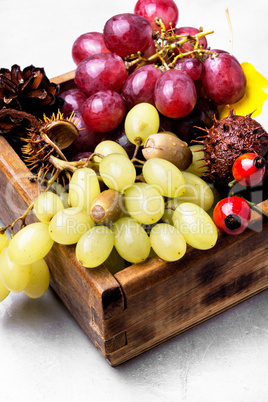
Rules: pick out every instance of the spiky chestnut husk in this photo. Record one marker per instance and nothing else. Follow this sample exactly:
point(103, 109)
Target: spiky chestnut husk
point(227, 139)
point(45, 139)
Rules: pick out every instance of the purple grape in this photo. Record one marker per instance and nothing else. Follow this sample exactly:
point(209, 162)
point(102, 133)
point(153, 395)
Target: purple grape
point(223, 80)
point(202, 116)
point(73, 101)
point(139, 86)
point(126, 34)
point(187, 46)
point(193, 67)
point(104, 111)
point(175, 94)
point(80, 155)
point(118, 135)
point(167, 10)
point(150, 51)
point(166, 123)
point(88, 44)
point(100, 72)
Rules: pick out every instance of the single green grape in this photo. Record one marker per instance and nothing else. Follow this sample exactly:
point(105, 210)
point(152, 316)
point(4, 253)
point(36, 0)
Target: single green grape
point(68, 225)
point(144, 203)
point(107, 147)
point(165, 176)
point(168, 212)
point(141, 121)
point(95, 246)
point(167, 242)
point(197, 191)
point(4, 291)
point(196, 226)
point(30, 244)
point(196, 166)
point(61, 192)
point(39, 280)
point(131, 240)
point(14, 276)
point(117, 171)
point(83, 188)
point(46, 205)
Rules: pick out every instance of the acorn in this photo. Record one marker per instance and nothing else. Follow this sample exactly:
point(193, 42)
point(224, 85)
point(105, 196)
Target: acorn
point(107, 207)
point(167, 145)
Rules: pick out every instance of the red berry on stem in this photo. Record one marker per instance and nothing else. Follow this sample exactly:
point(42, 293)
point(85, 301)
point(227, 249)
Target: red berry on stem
point(167, 10)
point(126, 34)
point(231, 215)
point(175, 94)
point(139, 86)
point(100, 72)
point(248, 169)
point(73, 101)
point(88, 44)
point(223, 80)
point(104, 111)
point(187, 46)
point(192, 66)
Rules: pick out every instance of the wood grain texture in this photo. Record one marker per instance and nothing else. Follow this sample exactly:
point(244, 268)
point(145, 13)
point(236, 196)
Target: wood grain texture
point(148, 303)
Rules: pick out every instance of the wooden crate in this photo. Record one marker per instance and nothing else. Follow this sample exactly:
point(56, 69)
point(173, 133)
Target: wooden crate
point(148, 303)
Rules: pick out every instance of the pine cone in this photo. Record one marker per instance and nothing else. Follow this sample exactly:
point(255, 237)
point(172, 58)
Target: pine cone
point(28, 90)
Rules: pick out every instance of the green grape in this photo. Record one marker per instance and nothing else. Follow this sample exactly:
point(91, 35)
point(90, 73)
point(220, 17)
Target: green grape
point(167, 242)
point(107, 147)
point(168, 212)
point(3, 241)
point(68, 225)
point(131, 240)
point(197, 191)
point(196, 226)
point(141, 121)
point(4, 291)
point(39, 280)
point(30, 244)
point(61, 192)
point(117, 171)
point(144, 203)
point(165, 176)
point(217, 197)
point(46, 205)
point(83, 188)
point(95, 246)
point(196, 166)
point(15, 276)
point(114, 263)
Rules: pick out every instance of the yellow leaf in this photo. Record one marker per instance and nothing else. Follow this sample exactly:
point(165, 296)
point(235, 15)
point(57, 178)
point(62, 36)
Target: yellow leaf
point(255, 96)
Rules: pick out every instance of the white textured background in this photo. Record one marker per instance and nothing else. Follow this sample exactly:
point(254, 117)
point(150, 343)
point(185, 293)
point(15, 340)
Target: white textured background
point(44, 355)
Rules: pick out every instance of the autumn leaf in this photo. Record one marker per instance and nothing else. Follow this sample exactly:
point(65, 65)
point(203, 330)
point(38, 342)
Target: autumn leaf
point(255, 96)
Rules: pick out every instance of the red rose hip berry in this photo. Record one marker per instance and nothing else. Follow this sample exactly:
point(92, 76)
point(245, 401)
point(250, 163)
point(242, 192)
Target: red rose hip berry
point(248, 169)
point(231, 215)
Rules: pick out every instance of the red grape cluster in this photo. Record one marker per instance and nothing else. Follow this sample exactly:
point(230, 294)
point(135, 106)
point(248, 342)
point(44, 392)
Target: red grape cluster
point(146, 57)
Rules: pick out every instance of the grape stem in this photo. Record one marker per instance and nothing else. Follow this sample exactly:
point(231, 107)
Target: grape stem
point(255, 207)
point(169, 42)
point(23, 217)
point(230, 29)
point(60, 166)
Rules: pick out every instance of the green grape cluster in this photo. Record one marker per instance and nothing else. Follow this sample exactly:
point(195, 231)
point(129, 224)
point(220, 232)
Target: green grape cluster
point(22, 264)
point(113, 216)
